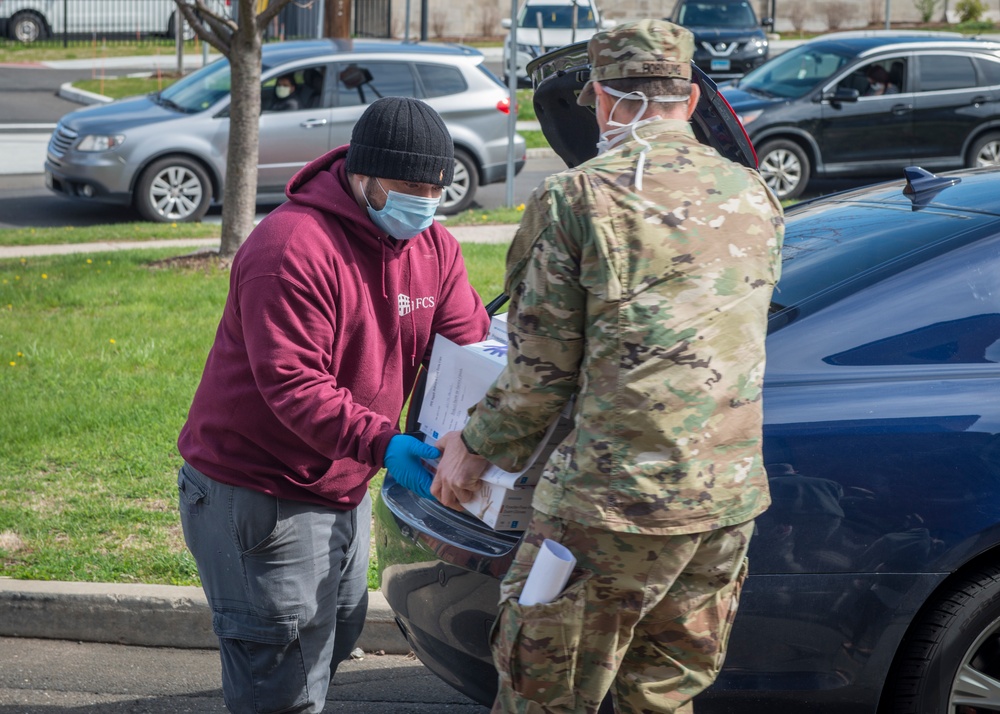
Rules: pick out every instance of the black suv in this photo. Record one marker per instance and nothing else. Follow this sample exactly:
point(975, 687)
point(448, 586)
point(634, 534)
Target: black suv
point(870, 103)
point(728, 40)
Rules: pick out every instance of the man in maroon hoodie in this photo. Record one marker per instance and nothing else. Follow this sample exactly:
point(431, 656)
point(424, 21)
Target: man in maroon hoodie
point(333, 304)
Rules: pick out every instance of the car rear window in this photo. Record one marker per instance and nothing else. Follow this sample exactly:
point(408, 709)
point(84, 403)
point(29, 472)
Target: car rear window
point(364, 82)
point(440, 80)
point(836, 248)
point(556, 16)
point(939, 72)
point(989, 71)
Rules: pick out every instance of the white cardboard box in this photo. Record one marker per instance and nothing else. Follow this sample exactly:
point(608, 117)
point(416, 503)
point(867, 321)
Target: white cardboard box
point(457, 378)
point(498, 328)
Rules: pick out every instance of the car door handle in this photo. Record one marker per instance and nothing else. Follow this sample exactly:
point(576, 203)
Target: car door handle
point(980, 99)
point(310, 123)
point(900, 109)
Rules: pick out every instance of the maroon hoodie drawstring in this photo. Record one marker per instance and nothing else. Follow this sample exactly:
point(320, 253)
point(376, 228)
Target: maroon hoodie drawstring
point(382, 245)
point(413, 320)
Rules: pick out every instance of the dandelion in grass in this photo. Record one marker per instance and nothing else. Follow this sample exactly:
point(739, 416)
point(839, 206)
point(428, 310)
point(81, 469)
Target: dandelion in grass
point(173, 225)
point(13, 364)
point(112, 340)
point(20, 354)
point(45, 276)
point(89, 261)
point(521, 207)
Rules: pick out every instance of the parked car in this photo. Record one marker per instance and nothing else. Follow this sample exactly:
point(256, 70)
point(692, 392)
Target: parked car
point(875, 575)
point(812, 111)
point(31, 20)
point(545, 25)
point(728, 39)
point(165, 153)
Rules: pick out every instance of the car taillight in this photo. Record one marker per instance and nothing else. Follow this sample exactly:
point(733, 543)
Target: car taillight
point(504, 105)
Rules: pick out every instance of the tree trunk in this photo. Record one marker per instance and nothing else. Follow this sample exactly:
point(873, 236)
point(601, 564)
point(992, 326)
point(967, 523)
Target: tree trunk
point(944, 11)
point(239, 198)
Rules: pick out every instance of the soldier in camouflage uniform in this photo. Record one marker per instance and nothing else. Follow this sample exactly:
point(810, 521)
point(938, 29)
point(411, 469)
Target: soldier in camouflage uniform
point(639, 283)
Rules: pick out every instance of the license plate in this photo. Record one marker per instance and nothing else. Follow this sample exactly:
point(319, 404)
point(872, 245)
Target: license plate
point(720, 65)
point(48, 179)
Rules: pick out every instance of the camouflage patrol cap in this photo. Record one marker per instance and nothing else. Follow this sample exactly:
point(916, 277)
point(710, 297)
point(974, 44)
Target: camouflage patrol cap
point(647, 48)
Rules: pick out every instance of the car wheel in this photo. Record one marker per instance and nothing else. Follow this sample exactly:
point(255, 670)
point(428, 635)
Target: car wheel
point(457, 197)
point(950, 661)
point(27, 27)
point(985, 152)
point(172, 28)
point(173, 189)
point(785, 168)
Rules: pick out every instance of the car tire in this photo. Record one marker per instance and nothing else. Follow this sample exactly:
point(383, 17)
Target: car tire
point(785, 168)
point(948, 661)
point(27, 27)
point(986, 151)
point(457, 197)
point(172, 28)
point(173, 189)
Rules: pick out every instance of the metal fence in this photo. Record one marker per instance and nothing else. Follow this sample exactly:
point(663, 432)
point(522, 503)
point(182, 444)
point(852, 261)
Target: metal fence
point(81, 22)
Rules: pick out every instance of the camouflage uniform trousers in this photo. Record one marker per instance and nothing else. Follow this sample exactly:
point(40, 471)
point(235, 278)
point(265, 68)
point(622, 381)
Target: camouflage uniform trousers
point(646, 617)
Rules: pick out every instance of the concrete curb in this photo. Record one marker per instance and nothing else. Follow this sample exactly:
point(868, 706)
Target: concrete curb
point(82, 96)
point(144, 615)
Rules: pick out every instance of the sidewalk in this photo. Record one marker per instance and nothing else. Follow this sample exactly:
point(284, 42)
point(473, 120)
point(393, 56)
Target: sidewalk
point(464, 234)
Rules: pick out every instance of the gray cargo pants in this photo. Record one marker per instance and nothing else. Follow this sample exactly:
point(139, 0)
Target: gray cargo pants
point(287, 582)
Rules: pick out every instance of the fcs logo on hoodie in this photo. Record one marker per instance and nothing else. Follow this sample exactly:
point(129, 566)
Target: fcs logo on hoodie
point(407, 304)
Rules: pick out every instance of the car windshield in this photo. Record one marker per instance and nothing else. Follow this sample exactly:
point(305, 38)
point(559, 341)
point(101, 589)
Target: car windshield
point(199, 90)
point(793, 74)
point(560, 16)
point(717, 14)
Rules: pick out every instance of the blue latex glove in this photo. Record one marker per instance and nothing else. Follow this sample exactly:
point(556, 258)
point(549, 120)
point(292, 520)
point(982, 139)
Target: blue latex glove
point(402, 458)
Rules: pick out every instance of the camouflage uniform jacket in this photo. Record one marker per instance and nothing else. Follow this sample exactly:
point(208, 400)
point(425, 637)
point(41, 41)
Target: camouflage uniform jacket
point(651, 308)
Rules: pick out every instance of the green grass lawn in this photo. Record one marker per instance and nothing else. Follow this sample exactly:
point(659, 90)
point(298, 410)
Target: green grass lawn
point(99, 358)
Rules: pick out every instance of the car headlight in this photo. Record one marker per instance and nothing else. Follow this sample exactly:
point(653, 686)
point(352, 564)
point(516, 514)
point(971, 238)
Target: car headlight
point(760, 44)
point(100, 142)
point(749, 116)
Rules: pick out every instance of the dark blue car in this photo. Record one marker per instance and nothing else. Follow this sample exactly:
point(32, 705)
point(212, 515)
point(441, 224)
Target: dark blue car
point(875, 575)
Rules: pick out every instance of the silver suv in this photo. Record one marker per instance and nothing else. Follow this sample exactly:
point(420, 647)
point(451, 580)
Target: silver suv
point(165, 153)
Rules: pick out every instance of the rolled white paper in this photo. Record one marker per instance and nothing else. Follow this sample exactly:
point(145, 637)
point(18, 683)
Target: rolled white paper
point(548, 575)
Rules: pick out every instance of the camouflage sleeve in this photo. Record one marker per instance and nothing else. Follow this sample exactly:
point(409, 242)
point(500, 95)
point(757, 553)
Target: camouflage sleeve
point(545, 331)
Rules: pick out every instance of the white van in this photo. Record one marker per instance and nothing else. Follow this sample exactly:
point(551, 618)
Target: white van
point(30, 20)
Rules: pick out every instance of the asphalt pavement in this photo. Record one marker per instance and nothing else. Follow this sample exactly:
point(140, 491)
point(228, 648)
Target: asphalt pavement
point(49, 677)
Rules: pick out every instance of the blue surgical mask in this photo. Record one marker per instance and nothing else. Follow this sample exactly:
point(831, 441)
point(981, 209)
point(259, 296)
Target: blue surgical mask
point(403, 216)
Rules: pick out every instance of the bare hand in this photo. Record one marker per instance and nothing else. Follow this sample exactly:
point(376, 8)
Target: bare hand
point(458, 473)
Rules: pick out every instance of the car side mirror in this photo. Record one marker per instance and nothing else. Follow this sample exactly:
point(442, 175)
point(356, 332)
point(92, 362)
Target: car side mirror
point(841, 95)
point(505, 23)
point(767, 22)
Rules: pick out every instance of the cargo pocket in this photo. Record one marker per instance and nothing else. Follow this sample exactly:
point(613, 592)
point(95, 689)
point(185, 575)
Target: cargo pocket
point(190, 489)
point(268, 649)
point(735, 589)
point(536, 647)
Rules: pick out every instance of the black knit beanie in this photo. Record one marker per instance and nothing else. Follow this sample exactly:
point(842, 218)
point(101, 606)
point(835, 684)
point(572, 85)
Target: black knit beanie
point(402, 138)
